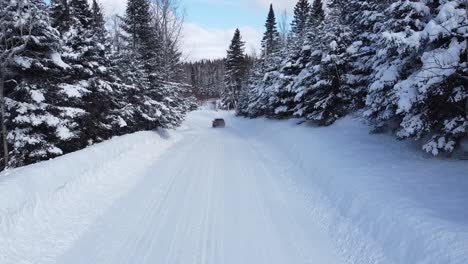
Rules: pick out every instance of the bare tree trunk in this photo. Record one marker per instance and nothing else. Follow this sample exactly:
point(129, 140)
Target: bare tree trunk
point(2, 119)
point(466, 108)
point(466, 62)
point(466, 38)
point(117, 34)
point(169, 17)
point(283, 27)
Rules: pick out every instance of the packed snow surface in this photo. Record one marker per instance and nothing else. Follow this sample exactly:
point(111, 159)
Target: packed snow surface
point(258, 191)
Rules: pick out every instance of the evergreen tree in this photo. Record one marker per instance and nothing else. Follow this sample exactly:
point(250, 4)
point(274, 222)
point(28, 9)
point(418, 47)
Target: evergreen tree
point(39, 128)
point(81, 13)
point(252, 98)
point(60, 15)
point(287, 83)
point(363, 17)
point(405, 65)
point(137, 23)
point(317, 13)
point(97, 18)
point(83, 46)
point(332, 96)
point(235, 71)
point(162, 104)
point(394, 61)
point(193, 77)
point(419, 83)
point(142, 39)
point(206, 78)
point(270, 42)
point(63, 93)
point(301, 15)
point(302, 65)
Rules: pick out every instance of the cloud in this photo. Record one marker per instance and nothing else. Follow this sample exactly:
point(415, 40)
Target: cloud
point(218, 2)
point(112, 7)
point(202, 43)
point(278, 5)
point(118, 6)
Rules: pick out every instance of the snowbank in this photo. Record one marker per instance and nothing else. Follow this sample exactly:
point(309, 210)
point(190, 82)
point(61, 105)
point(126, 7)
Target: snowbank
point(380, 199)
point(52, 203)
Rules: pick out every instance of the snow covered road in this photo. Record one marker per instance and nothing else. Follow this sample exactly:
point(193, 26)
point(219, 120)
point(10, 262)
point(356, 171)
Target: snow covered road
point(213, 198)
point(257, 192)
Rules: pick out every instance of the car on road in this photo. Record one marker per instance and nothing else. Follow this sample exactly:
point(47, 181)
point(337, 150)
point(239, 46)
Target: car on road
point(219, 123)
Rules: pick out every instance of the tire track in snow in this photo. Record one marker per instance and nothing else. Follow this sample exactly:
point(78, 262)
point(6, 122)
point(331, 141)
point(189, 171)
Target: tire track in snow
point(213, 199)
point(272, 181)
point(166, 207)
point(158, 213)
point(127, 236)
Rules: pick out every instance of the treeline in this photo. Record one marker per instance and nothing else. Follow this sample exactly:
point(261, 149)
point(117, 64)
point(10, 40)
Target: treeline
point(401, 64)
point(66, 85)
point(206, 78)
point(237, 66)
point(221, 79)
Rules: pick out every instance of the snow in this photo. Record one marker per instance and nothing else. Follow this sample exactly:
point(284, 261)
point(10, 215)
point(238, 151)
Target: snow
point(354, 47)
point(384, 76)
point(57, 60)
point(71, 112)
point(441, 143)
point(23, 62)
point(437, 65)
point(45, 208)
point(401, 39)
point(75, 90)
point(121, 122)
point(55, 150)
point(448, 20)
point(37, 120)
point(64, 133)
point(37, 96)
point(259, 191)
point(281, 109)
point(440, 63)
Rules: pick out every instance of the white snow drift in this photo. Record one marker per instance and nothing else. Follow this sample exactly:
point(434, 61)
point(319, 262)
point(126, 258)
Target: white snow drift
point(45, 207)
point(259, 191)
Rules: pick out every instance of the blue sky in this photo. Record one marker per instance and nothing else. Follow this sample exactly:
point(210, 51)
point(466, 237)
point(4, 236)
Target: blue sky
point(210, 24)
point(227, 14)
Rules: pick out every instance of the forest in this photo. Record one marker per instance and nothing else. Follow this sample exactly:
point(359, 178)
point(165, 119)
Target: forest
point(401, 65)
point(142, 132)
point(71, 77)
point(67, 81)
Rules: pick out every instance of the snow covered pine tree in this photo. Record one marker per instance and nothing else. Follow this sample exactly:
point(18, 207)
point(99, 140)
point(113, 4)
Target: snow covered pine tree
point(235, 66)
point(65, 87)
point(38, 127)
point(256, 98)
point(419, 86)
point(404, 62)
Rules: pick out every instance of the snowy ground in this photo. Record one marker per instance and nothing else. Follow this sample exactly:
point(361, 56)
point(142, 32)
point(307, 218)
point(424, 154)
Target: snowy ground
point(258, 191)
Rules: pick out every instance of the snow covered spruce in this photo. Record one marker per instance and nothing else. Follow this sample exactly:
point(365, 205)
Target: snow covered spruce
point(403, 64)
point(67, 84)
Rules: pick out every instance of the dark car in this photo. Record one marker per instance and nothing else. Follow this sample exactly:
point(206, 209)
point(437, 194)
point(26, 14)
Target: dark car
point(219, 122)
